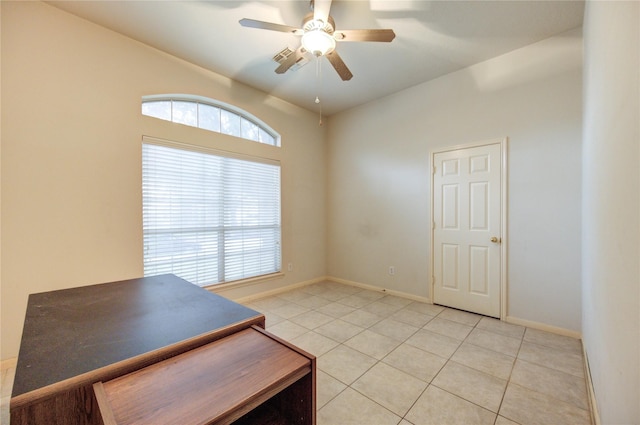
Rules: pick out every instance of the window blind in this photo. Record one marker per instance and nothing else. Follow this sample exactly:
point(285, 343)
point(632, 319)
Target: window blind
point(209, 218)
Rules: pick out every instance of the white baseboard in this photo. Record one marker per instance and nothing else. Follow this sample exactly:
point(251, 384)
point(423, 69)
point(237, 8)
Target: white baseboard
point(220, 288)
point(508, 319)
point(277, 291)
point(593, 405)
point(378, 289)
point(259, 295)
point(543, 327)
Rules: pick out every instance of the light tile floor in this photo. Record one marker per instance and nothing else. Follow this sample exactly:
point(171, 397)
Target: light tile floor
point(383, 359)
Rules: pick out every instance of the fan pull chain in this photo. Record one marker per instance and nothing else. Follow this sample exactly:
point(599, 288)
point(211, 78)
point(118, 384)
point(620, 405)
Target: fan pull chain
point(319, 87)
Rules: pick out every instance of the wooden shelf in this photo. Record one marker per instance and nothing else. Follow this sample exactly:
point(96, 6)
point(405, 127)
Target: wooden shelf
point(250, 377)
point(265, 414)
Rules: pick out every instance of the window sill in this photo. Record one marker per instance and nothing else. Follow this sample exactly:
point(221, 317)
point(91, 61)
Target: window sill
point(243, 282)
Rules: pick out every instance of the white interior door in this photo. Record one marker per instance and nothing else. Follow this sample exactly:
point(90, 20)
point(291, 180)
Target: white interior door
point(467, 214)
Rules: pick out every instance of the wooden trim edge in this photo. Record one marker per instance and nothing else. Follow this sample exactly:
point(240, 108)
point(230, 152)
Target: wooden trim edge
point(284, 342)
point(106, 413)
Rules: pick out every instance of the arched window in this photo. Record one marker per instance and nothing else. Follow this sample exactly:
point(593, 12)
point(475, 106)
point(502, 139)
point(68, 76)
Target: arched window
point(209, 216)
point(211, 115)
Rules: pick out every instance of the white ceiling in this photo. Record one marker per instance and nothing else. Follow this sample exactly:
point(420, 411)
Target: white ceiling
point(433, 38)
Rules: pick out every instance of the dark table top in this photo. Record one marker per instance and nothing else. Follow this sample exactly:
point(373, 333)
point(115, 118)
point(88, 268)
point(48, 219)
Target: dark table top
point(74, 331)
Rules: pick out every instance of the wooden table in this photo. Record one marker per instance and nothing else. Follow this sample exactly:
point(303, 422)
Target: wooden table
point(76, 337)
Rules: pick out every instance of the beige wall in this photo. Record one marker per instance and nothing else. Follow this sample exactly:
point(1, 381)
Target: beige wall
point(611, 208)
point(379, 181)
point(71, 197)
point(71, 157)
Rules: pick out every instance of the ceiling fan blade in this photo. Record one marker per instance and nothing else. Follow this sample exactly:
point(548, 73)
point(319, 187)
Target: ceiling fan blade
point(321, 10)
point(252, 23)
point(291, 60)
point(365, 35)
point(339, 66)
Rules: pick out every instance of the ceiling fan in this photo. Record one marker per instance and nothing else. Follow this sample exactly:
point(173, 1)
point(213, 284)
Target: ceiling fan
point(319, 37)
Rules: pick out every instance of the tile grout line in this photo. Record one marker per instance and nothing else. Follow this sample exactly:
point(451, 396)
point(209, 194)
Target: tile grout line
point(510, 375)
point(450, 359)
point(378, 361)
point(389, 316)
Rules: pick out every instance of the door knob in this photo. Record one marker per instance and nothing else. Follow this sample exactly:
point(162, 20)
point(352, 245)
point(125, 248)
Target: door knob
point(496, 240)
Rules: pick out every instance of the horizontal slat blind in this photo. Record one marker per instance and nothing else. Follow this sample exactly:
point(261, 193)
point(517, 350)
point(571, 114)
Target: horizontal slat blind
point(208, 218)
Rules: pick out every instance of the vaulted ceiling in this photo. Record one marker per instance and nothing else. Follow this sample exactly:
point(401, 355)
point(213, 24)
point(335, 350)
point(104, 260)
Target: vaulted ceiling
point(433, 38)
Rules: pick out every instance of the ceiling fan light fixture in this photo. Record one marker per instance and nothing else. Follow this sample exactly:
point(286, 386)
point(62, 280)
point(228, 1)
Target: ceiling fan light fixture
point(318, 42)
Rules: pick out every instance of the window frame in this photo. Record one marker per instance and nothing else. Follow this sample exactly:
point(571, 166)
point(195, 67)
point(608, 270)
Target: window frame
point(242, 114)
point(232, 155)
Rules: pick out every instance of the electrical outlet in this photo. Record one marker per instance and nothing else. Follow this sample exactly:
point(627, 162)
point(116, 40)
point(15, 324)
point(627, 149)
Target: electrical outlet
point(290, 267)
point(392, 270)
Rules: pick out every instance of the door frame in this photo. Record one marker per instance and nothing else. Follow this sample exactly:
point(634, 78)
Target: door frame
point(504, 145)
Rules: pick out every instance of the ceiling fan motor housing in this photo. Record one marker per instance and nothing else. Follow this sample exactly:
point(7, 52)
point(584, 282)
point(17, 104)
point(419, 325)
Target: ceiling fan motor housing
point(318, 35)
point(309, 24)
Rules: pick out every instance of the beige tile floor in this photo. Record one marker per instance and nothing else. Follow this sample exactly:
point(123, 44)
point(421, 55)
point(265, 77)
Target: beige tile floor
point(383, 359)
